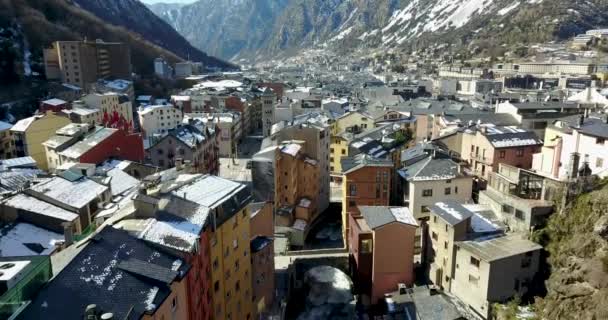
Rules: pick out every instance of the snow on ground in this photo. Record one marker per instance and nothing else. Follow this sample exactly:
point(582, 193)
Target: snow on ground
point(508, 9)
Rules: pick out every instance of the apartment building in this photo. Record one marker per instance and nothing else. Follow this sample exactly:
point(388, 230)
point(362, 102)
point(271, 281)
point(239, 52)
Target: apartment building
point(537, 116)
point(30, 133)
point(186, 143)
point(367, 182)
point(229, 127)
point(471, 257)
point(381, 244)
point(157, 120)
point(262, 256)
point(297, 183)
point(116, 109)
point(81, 63)
point(574, 144)
point(269, 99)
point(7, 145)
point(315, 131)
point(484, 147)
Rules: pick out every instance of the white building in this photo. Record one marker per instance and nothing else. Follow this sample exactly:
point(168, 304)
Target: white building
point(158, 119)
point(162, 68)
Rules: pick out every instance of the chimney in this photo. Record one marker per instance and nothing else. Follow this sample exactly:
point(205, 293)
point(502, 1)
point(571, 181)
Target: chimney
point(90, 311)
point(68, 234)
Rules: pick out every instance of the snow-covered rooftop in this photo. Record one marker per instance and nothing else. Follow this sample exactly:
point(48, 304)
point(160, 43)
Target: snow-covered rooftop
point(54, 102)
point(76, 194)
point(24, 239)
point(28, 203)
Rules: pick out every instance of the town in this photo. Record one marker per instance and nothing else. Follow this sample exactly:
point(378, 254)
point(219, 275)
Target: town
point(389, 186)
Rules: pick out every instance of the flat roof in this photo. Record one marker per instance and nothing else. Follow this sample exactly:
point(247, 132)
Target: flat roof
point(24, 239)
point(25, 202)
point(88, 143)
point(497, 248)
point(76, 194)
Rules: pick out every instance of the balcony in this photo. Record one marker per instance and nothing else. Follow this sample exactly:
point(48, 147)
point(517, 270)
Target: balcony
point(480, 158)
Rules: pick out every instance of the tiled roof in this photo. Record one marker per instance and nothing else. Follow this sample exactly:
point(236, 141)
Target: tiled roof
point(379, 216)
point(117, 272)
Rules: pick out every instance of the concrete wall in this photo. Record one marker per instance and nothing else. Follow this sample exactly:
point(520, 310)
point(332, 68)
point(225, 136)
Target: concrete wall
point(461, 190)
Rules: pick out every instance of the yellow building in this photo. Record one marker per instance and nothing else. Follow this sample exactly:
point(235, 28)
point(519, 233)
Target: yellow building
point(30, 133)
point(342, 132)
point(231, 291)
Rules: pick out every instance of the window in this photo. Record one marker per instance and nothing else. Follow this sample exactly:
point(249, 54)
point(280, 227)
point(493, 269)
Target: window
point(475, 262)
point(434, 219)
point(353, 189)
point(520, 152)
point(502, 154)
point(507, 208)
point(427, 193)
point(352, 203)
point(600, 141)
point(456, 190)
point(448, 181)
point(445, 245)
point(366, 246)
point(331, 150)
point(434, 236)
point(448, 191)
point(216, 264)
point(174, 304)
point(216, 286)
point(519, 215)
point(425, 209)
point(343, 151)
point(599, 162)
point(236, 266)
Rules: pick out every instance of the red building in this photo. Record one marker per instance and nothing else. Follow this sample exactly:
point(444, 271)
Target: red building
point(104, 144)
point(55, 105)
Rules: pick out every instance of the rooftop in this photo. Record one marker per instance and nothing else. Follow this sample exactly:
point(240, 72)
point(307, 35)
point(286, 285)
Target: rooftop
point(120, 274)
point(378, 216)
point(76, 194)
point(363, 160)
point(54, 102)
point(28, 203)
point(499, 247)
point(451, 212)
point(24, 239)
point(89, 142)
point(505, 137)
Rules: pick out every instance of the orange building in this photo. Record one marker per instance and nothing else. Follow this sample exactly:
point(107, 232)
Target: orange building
point(367, 181)
point(296, 183)
point(382, 249)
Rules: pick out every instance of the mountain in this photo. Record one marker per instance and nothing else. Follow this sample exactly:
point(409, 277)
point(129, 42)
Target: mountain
point(225, 28)
point(136, 17)
point(247, 28)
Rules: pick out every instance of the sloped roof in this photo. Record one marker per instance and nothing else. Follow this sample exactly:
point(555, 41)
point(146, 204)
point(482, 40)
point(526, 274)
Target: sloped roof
point(378, 216)
point(362, 160)
point(119, 273)
point(451, 212)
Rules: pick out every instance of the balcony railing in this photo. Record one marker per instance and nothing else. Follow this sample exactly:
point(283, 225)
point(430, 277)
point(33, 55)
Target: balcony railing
point(481, 158)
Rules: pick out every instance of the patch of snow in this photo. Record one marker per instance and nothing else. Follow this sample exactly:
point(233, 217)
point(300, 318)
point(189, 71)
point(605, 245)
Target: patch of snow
point(449, 210)
point(150, 296)
point(508, 9)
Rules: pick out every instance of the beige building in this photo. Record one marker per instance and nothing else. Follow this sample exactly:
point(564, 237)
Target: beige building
point(159, 120)
point(81, 63)
point(111, 105)
point(342, 132)
point(30, 133)
point(473, 259)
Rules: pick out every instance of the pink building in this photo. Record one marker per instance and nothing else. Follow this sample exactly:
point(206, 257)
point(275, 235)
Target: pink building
point(381, 246)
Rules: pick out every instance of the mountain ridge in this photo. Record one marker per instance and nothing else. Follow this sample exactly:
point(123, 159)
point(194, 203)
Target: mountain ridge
point(382, 24)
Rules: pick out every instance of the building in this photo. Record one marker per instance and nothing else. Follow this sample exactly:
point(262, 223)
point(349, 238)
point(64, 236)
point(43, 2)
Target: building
point(573, 144)
point(471, 257)
point(7, 145)
point(537, 116)
point(81, 63)
point(22, 239)
point(381, 246)
point(84, 143)
point(314, 130)
point(21, 278)
point(29, 134)
point(296, 177)
point(187, 144)
point(342, 131)
point(262, 256)
point(116, 109)
point(484, 147)
point(53, 105)
point(162, 68)
point(229, 127)
point(269, 99)
point(158, 120)
point(522, 199)
point(367, 182)
point(118, 274)
point(120, 86)
point(184, 69)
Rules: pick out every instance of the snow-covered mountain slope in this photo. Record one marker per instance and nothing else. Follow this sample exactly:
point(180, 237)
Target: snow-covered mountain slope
point(238, 28)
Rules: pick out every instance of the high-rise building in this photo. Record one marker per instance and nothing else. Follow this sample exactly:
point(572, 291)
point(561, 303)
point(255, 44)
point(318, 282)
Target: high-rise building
point(81, 63)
